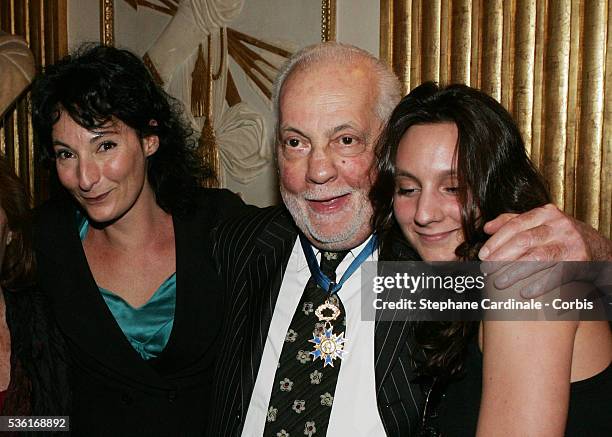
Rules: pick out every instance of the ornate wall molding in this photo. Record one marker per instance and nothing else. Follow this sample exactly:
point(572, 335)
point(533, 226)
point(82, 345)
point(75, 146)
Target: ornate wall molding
point(328, 20)
point(107, 22)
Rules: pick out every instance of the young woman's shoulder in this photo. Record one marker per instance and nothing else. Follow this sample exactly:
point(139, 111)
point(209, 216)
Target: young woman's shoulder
point(526, 377)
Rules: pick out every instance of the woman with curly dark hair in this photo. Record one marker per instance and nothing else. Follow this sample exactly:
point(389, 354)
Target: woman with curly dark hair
point(125, 256)
point(33, 374)
point(449, 160)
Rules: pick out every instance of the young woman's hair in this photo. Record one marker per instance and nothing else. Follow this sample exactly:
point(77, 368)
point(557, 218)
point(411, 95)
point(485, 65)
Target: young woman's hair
point(97, 84)
point(494, 176)
point(17, 270)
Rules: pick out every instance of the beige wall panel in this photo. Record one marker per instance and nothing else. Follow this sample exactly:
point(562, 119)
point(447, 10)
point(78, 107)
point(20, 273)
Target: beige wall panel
point(549, 62)
point(573, 106)
point(535, 148)
point(475, 50)
point(492, 44)
point(430, 53)
point(591, 116)
point(402, 42)
point(461, 40)
point(416, 33)
point(508, 54)
point(556, 85)
point(605, 213)
point(524, 66)
point(385, 46)
point(445, 41)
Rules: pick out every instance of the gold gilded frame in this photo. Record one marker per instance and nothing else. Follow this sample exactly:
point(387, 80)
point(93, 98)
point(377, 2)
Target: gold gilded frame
point(328, 20)
point(107, 21)
point(386, 31)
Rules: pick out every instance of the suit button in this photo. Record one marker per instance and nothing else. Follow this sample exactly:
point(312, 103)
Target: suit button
point(172, 395)
point(126, 399)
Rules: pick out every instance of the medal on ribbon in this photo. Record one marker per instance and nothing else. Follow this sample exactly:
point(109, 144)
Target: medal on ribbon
point(327, 345)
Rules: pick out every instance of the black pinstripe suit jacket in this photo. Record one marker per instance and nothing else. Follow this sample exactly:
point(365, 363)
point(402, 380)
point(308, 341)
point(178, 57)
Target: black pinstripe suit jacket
point(252, 254)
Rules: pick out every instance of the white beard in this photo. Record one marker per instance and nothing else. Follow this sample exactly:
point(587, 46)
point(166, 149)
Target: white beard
point(346, 235)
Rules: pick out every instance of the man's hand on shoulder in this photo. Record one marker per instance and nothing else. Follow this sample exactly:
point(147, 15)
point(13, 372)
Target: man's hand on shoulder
point(544, 235)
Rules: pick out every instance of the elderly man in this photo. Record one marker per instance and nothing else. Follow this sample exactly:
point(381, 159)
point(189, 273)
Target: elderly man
point(285, 359)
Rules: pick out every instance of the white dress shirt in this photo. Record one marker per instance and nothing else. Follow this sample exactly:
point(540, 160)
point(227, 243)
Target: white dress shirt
point(355, 410)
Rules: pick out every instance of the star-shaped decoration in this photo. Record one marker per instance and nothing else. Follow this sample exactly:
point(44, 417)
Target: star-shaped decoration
point(328, 347)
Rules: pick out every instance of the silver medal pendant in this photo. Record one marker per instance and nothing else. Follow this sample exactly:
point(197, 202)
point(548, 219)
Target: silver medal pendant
point(327, 345)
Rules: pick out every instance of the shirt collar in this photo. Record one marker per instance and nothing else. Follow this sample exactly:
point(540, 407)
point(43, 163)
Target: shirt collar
point(353, 253)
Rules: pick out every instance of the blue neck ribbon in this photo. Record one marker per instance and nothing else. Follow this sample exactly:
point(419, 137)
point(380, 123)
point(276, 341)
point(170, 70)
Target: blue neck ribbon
point(321, 278)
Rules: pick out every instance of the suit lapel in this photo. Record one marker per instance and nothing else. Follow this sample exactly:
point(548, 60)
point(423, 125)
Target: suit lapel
point(399, 399)
point(393, 337)
point(390, 339)
point(265, 272)
point(197, 286)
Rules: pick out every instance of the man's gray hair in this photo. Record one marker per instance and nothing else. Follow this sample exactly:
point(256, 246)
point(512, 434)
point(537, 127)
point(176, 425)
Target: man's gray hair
point(389, 89)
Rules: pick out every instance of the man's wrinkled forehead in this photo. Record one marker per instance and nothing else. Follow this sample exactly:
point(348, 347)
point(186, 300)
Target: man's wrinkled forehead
point(329, 83)
point(349, 71)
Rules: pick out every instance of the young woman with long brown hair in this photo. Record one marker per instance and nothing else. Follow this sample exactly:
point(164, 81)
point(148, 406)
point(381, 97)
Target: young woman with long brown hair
point(451, 159)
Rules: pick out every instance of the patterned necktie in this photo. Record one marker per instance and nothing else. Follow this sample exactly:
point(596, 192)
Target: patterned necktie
point(303, 390)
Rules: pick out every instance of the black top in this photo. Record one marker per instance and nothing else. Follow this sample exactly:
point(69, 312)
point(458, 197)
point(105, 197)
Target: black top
point(115, 391)
point(590, 404)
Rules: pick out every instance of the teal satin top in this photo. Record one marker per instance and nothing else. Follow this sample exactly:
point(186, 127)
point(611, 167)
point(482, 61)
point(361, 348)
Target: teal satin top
point(148, 327)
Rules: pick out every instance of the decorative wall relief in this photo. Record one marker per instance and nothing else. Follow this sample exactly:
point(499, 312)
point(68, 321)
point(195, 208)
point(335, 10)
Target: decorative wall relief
point(191, 58)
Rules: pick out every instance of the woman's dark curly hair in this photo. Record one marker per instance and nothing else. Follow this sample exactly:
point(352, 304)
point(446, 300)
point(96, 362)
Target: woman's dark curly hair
point(494, 175)
point(17, 270)
point(97, 83)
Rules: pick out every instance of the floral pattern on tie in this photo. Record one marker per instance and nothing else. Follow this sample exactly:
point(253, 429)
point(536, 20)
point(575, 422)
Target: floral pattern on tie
point(299, 405)
point(291, 336)
point(308, 308)
point(319, 329)
point(327, 399)
point(315, 377)
point(286, 384)
point(310, 429)
point(303, 356)
point(272, 412)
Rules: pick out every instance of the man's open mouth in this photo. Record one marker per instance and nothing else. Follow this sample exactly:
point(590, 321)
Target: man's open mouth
point(327, 205)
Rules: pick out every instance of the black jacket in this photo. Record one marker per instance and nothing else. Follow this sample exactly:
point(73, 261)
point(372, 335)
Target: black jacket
point(252, 253)
point(115, 391)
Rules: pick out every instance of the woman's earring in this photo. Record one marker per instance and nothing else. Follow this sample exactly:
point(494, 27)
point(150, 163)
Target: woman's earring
point(9, 238)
